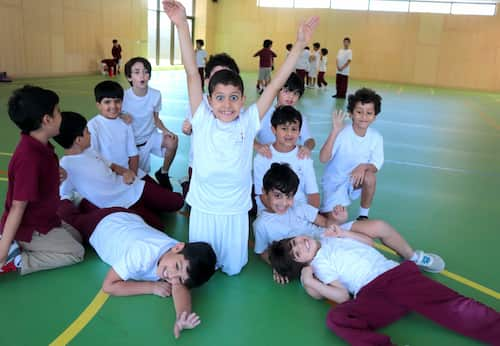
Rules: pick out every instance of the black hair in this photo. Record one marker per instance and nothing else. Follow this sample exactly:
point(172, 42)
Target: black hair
point(364, 95)
point(109, 89)
point(115, 41)
point(281, 258)
point(225, 77)
point(267, 43)
point(324, 51)
point(202, 261)
point(282, 178)
point(286, 115)
point(72, 126)
point(200, 42)
point(316, 45)
point(221, 59)
point(28, 105)
point(131, 62)
point(306, 47)
point(289, 46)
point(347, 39)
point(294, 83)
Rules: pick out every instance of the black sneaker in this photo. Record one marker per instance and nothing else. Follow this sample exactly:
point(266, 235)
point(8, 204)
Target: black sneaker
point(163, 180)
point(361, 218)
point(334, 96)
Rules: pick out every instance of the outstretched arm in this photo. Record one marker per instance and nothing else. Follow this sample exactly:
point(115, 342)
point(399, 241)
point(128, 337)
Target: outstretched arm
point(114, 285)
point(304, 35)
point(333, 291)
point(177, 14)
point(185, 319)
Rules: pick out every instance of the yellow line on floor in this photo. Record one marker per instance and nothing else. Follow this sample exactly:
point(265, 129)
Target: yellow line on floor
point(5, 154)
point(82, 320)
point(3, 179)
point(453, 276)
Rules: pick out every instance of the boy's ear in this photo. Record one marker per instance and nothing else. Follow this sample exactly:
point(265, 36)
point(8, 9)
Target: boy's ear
point(178, 247)
point(273, 129)
point(243, 98)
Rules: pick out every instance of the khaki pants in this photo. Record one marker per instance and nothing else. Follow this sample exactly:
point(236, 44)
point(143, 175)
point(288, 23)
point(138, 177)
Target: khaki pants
point(61, 246)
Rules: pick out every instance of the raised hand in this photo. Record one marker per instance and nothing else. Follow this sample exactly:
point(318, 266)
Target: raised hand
point(175, 11)
point(338, 117)
point(306, 29)
point(333, 231)
point(264, 150)
point(187, 128)
point(185, 321)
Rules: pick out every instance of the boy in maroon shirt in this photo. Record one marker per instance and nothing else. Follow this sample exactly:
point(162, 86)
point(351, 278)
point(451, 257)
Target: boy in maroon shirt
point(266, 59)
point(30, 217)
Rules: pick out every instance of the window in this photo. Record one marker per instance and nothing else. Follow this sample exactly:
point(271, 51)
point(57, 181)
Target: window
point(163, 46)
point(461, 7)
point(389, 5)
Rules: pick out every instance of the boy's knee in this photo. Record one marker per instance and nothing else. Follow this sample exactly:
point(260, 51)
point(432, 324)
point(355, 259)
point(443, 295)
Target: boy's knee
point(370, 179)
point(77, 252)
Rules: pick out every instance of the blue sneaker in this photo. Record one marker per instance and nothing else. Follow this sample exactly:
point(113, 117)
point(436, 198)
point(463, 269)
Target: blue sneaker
point(429, 262)
point(9, 265)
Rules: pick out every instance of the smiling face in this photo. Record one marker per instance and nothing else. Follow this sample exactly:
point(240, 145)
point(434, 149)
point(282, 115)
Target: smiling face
point(286, 136)
point(362, 116)
point(277, 201)
point(110, 107)
point(139, 76)
point(226, 102)
point(303, 249)
point(173, 266)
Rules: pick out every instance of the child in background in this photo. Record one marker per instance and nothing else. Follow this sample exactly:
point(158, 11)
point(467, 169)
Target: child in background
point(116, 52)
point(201, 60)
point(286, 124)
point(143, 104)
point(288, 95)
point(219, 194)
point(323, 61)
point(313, 65)
point(288, 48)
point(383, 290)
point(353, 154)
point(283, 217)
point(144, 260)
point(266, 57)
point(302, 65)
point(104, 184)
point(344, 59)
point(30, 216)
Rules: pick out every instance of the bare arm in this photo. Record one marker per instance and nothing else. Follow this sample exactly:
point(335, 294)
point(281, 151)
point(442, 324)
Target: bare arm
point(133, 163)
point(115, 286)
point(10, 228)
point(313, 199)
point(304, 35)
point(127, 174)
point(325, 153)
point(333, 291)
point(177, 14)
point(158, 123)
point(185, 319)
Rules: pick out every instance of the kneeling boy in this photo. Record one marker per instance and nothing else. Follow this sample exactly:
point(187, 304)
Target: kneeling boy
point(144, 260)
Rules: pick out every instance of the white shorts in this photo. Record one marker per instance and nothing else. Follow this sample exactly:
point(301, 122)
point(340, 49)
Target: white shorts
point(227, 234)
point(338, 194)
point(152, 146)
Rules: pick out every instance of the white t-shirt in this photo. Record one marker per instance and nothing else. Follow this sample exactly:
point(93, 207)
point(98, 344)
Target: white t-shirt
point(304, 168)
point(303, 61)
point(342, 57)
point(350, 150)
point(89, 175)
point(352, 263)
point(141, 108)
point(113, 139)
point(130, 246)
point(266, 135)
point(201, 55)
point(222, 161)
point(298, 220)
point(314, 62)
point(323, 61)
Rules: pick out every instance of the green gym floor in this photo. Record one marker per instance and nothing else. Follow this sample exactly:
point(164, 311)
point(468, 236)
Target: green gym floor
point(439, 187)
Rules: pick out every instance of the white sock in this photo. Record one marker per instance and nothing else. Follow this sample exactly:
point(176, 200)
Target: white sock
point(18, 261)
point(363, 211)
point(414, 257)
point(164, 171)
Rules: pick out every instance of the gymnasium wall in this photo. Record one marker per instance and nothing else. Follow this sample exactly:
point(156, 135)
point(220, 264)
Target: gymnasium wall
point(430, 49)
point(61, 37)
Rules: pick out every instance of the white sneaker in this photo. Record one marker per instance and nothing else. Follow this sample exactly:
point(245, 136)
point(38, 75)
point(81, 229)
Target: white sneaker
point(429, 262)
